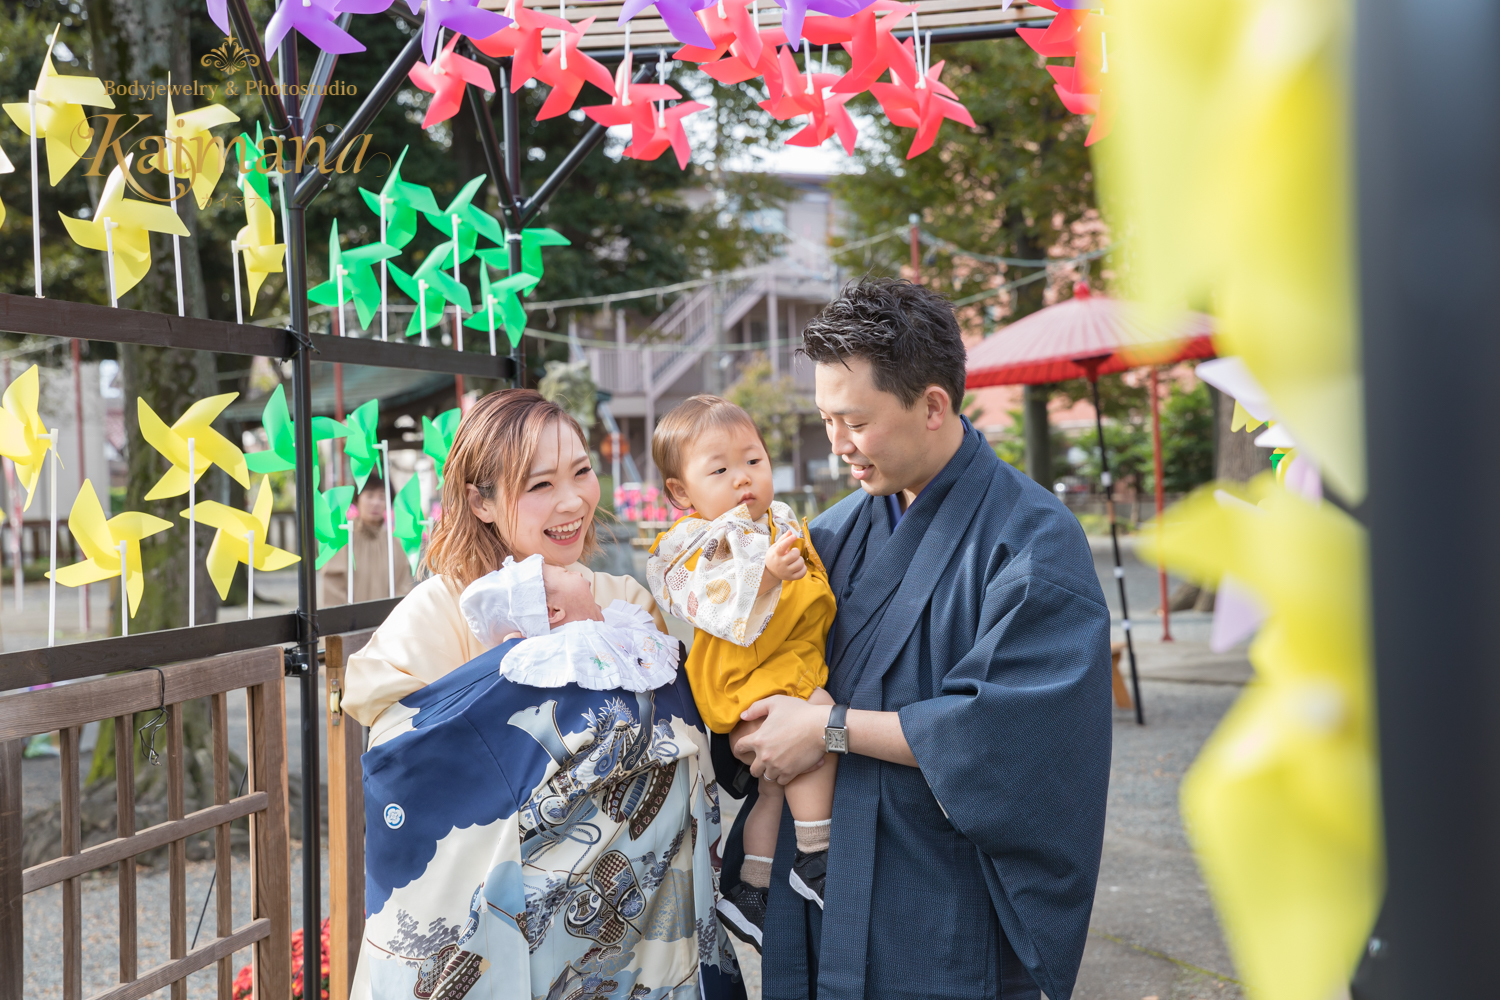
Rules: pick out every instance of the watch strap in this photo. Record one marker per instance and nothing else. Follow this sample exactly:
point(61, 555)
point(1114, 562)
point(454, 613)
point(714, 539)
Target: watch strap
point(837, 716)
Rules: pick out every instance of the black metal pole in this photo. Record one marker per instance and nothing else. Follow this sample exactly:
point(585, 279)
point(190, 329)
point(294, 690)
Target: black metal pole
point(296, 237)
point(318, 87)
point(1428, 138)
point(492, 156)
point(1114, 539)
point(239, 15)
point(511, 122)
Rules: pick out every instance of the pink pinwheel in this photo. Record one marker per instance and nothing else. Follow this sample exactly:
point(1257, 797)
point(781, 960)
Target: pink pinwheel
point(678, 17)
point(720, 21)
point(314, 21)
point(445, 80)
point(565, 69)
point(795, 11)
point(522, 41)
point(811, 94)
point(1081, 86)
point(922, 106)
point(752, 53)
point(462, 17)
point(653, 128)
point(1058, 39)
point(873, 49)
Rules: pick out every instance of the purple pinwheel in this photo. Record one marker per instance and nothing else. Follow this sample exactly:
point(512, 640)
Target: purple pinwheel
point(461, 16)
point(218, 13)
point(678, 17)
point(313, 20)
point(795, 11)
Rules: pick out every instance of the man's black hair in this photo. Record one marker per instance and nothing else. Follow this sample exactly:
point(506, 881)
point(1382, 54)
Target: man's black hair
point(906, 332)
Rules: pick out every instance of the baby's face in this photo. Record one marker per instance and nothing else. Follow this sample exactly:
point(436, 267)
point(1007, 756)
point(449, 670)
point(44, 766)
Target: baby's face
point(569, 598)
point(724, 468)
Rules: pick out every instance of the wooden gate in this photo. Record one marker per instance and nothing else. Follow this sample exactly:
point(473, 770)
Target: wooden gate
point(67, 709)
point(346, 820)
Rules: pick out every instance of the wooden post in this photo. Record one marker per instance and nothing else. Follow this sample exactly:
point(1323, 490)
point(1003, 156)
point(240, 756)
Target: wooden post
point(72, 895)
point(177, 849)
point(346, 822)
point(12, 936)
point(125, 806)
point(265, 708)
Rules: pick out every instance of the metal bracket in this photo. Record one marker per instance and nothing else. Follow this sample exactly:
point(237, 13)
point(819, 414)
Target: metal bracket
point(297, 663)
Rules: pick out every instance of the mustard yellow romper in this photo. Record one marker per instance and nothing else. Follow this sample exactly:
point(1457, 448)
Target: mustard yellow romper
point(746, 646)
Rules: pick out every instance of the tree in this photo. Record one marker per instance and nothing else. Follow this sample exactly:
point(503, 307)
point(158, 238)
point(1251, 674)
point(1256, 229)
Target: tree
point(771, 403)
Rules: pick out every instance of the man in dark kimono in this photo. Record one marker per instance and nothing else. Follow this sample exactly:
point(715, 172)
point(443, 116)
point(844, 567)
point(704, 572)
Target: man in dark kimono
point(971, 647)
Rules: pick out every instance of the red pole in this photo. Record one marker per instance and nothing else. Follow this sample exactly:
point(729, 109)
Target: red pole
point(83, 594)
point(1166, 611)
point(916, 253)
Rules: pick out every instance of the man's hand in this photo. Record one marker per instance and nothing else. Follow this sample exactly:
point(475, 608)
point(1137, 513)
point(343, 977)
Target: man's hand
point(789, 741)
point(784, 562)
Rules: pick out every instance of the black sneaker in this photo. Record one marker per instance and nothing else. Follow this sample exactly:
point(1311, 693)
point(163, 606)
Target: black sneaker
point(743, 911)
point(809, 872)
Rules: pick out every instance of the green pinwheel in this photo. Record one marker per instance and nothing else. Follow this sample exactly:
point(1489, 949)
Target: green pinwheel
point(252, 164)
point(430, 287)
point(409, 524)
point(498, 301)
point(397, 204)
point(362, 445)
point(462, 223)
point(282, 453)
point(437, 437)
point(351, 272)
point(330, 518)
point(532, 241)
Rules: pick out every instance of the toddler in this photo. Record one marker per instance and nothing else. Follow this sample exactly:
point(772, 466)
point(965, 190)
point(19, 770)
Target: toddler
point(569, 639)
point(741, 571)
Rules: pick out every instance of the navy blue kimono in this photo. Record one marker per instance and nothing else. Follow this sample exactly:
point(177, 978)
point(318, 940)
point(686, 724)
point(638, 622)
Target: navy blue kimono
point(979, 618)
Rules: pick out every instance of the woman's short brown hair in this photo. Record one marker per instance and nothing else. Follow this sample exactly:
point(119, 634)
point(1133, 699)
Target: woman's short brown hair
point(492, 451)
point(686, 421)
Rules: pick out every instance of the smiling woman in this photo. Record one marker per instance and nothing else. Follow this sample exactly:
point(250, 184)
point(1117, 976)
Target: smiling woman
point(518, 482)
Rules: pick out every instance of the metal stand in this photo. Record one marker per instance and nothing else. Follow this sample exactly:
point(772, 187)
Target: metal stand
point(1114, 539)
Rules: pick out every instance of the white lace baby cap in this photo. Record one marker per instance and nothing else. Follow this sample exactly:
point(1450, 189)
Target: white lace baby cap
point(511, 599)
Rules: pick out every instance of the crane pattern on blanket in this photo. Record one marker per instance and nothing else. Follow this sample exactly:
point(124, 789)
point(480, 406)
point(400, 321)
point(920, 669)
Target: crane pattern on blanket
point(539, 844)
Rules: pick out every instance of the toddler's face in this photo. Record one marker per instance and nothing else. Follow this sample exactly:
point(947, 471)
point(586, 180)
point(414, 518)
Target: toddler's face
point(724, 468)
point(569, 598)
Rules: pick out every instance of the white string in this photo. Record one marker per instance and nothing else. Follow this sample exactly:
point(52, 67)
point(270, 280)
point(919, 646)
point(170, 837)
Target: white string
point(250, 542)
point(192, 533)
point(36, 211)
point(390, 520)
point(124, 593)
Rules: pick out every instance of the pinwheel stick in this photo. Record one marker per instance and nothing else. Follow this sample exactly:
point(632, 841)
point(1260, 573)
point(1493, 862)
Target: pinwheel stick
point(250, 565)
point(124, 590)
point(51, 436)
point(36, 211)
point(234, 259)
point(109, 260)
point(458, 312)
point(422, 317)
point(384, 305)
point(349, 561)
point(192, 532)
point(339, 287)
point(491, 312)
point(390, 521)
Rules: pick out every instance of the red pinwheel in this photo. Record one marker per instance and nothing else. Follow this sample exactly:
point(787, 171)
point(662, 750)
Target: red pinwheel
point(653, 128)
point(522, 41)
point(565, 69)
point(873, 49)
point(922, 106)
point(752, 53)
point(1058, 40)
point(721, 20)
point(1079, 35)
point(445, 80)
point(810, 94)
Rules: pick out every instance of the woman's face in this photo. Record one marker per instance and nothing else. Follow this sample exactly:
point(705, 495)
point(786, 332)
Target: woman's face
point(557, 501)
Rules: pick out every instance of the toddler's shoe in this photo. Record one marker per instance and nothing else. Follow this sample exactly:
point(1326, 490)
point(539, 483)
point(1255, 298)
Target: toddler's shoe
point(809, 872)
point(743, 910)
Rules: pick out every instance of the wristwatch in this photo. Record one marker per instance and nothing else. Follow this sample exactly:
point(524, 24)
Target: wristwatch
point(835, 735)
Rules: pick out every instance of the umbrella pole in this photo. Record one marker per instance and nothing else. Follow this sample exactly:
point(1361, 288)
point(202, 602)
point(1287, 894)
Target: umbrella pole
point(1161, 569)
point(1114, 538)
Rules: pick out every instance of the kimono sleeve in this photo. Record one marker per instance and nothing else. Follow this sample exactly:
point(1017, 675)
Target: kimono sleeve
point(711, 578)
point(1015, 743)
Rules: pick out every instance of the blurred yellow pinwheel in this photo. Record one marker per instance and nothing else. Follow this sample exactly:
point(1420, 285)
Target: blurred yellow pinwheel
point(6, 167)
point(59, 115)
point(1282, 806)
point(231, 545)
point(209, 446)
point(100, 541)
point(257, 240)
point(23, 436)
point(131, 222)
point(193, 151)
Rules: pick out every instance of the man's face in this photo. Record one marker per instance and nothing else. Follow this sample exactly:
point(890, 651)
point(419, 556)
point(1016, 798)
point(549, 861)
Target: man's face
point(884, 443)
point(371, 508)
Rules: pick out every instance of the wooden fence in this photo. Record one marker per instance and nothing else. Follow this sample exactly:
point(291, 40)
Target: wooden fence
point(66, 709)
point(346, 820)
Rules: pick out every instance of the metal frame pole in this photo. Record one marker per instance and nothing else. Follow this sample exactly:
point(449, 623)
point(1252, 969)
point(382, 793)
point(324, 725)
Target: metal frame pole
point(511, 162)
point(1424, 90)
point(1114, 538)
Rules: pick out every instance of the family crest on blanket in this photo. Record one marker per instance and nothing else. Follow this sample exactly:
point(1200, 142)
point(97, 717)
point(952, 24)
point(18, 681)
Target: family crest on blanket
point(576, 822)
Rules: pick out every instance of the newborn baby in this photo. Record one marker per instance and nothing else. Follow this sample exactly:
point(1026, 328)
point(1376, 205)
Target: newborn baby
point(568, 638)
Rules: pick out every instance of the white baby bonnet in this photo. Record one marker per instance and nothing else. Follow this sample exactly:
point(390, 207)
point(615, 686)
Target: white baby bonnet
point(623, 652)
point(511, 599)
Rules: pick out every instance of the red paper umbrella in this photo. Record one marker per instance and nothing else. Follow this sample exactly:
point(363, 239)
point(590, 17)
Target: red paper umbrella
point(1085, 337)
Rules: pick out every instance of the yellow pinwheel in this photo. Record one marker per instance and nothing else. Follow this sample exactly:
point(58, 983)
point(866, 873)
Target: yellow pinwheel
point(192, 151)
point(257, 240)
point(101, 540)
point(1282, 806)
point(237, 530)
point(209, 446)
point(23, 436)
point(59, 113)
point(124, 225)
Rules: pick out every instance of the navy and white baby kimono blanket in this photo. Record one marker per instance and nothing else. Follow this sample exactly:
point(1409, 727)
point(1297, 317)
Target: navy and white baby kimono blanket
point(531, 843)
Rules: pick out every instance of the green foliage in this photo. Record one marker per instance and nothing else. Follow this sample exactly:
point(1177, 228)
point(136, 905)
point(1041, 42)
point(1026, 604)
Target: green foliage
point(571, 386)
point(1187, 433)
point(1011, 187)
point(771, 403)
point(1011, 447)
point(1187, 439)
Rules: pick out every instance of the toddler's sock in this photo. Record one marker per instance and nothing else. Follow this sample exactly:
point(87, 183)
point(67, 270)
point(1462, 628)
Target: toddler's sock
point(813, 837)
point(756, 871)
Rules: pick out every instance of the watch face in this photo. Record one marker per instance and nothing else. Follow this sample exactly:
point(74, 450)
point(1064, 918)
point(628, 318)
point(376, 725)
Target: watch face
point(836, 740)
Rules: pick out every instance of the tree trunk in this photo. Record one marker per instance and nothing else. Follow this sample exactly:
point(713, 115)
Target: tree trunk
point(1235, 454)
point(1038, 434)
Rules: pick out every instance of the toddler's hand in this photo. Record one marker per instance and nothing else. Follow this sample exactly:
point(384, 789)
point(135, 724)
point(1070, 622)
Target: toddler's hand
point(784, 561)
